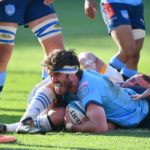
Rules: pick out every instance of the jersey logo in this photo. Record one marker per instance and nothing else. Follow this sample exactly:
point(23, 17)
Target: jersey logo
point(124, 14)
point(83, 90)
point(9, 9)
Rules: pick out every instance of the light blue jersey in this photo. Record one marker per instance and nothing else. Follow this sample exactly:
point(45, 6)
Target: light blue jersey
point(130, 2)
point(116, 101)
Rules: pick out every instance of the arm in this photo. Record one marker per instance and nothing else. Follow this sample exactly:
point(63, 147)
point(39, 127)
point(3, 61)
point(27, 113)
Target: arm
point(146, 94)
point(90, 8)
point(96, 121)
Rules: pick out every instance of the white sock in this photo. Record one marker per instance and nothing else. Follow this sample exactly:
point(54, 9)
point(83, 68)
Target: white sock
point(43, 122)
point(11, 127)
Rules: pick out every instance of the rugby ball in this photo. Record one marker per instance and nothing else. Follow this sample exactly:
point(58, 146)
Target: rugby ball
point(76, 112)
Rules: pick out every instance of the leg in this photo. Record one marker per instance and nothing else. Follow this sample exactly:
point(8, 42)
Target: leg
point(51, 36)
point(133, 62)
point(7, 36)
point(125, 43)
point(129, 50)
point(52, 121)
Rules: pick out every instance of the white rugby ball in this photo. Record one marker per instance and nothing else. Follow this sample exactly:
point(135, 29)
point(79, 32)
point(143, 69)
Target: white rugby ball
point(76, 112)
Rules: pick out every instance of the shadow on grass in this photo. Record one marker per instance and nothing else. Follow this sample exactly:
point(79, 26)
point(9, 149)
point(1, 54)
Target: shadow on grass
point(12, 110)
point(24, 72)
point(16, 91)
point(144, 133)
point(9, 118)
point(55, 147)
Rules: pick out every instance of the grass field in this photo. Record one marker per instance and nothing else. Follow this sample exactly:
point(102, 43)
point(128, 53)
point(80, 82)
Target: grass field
point(24, 71)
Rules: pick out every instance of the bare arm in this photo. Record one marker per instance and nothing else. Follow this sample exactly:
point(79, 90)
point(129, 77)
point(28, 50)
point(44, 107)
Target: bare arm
point(90, 8)
point(96, 121)
point(145, 94)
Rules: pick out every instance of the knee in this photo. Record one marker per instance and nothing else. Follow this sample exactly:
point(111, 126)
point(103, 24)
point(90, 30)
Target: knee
point(57, 116)
point(87, 60)
point(131, 51)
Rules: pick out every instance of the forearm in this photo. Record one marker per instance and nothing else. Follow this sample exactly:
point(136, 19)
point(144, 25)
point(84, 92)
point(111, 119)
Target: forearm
point(87, 126)
point(146, 94)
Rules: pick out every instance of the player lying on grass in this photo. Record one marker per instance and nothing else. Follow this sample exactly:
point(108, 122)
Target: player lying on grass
point(39, 99)
point(102, 100)
point(39, 103)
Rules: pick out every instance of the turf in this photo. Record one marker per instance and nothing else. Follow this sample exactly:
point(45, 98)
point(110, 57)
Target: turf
point(24, 71)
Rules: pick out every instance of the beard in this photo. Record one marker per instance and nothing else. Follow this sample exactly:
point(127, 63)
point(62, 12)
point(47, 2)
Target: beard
point(62, 88)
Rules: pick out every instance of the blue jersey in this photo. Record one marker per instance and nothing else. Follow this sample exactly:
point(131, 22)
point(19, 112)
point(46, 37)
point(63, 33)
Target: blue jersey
point(23, 11)
point(130, 2)
point(116, 101)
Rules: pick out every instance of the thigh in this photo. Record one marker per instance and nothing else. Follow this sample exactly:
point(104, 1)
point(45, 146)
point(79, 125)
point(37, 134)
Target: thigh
point(123, 37)
point(36, 9)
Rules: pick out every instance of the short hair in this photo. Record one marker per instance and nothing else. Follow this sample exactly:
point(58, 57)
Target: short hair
point(59, 58)
point(146, 77)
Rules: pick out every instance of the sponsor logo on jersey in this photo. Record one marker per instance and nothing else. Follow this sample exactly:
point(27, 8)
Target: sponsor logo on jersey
point(9, 9)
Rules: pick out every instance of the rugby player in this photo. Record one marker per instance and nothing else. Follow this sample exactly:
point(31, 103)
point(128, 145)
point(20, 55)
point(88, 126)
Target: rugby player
point(40, 16)
point(125, 23)
point(44, 95)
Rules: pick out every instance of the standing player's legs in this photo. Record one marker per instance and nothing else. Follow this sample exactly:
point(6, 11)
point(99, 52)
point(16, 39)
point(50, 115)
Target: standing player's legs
point(132, 63)
point(46, 27)
point(125, 36)
point(7, 37)
point(50, 37)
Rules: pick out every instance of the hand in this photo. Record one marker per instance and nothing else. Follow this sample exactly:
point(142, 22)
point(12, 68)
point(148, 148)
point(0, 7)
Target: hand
point(67, 120)
point(48, 2)
point(90, 8)
point(137, 97)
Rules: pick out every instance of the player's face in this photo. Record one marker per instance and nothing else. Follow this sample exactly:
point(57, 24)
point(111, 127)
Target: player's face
point(136, 80)
point(61, 83)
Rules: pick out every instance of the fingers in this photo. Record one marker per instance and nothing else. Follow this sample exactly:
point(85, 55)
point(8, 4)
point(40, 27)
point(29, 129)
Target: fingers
point(136, 97)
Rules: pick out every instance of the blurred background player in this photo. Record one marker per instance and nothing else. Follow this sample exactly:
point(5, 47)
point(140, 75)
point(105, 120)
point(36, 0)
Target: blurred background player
point(41, 18)
point(125, 23)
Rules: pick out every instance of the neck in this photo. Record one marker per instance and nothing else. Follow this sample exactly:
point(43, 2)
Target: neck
point(75, 83)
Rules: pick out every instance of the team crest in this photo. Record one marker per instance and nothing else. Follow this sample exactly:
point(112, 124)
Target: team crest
point(9, 9)
point(83, 91)
point(125, 14)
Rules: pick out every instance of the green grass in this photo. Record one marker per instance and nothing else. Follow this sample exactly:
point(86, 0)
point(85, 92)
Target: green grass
point(24, 71)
